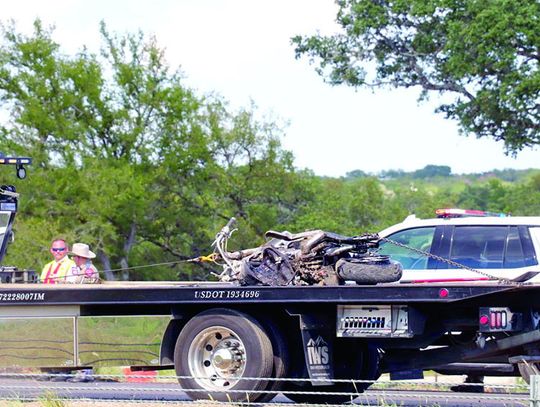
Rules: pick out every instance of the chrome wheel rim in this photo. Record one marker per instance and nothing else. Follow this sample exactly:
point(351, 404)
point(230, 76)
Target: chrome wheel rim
point(217, 358)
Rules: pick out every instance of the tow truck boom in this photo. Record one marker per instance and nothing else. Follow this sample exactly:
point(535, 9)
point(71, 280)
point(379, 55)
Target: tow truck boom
point(9, 203)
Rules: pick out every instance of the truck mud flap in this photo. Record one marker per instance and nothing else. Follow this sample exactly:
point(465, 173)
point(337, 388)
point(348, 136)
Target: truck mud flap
point(318, 341)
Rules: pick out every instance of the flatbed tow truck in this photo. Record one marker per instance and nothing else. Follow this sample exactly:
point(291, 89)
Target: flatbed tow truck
point(233, 343)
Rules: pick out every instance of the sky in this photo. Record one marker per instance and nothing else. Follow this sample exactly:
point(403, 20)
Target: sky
point(241, 50)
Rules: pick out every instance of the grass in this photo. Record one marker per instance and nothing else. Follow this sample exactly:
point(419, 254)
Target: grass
point(119, 371)
point(105, 341)
point(50, 399)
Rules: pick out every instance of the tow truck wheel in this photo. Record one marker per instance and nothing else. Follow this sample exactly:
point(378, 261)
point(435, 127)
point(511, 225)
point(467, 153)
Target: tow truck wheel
point(281, 361)
point(358, 362)
point(216, 349)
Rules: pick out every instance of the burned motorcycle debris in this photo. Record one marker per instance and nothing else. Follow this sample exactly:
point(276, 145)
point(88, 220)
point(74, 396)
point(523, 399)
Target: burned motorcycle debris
point(309, 258)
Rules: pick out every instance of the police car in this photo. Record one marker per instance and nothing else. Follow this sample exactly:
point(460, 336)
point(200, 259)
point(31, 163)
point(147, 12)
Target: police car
point(479, 246)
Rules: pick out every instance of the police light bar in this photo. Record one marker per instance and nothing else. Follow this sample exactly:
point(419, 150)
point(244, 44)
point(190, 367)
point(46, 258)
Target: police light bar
point(18, 162)
point(461, 213)
point(15, 160)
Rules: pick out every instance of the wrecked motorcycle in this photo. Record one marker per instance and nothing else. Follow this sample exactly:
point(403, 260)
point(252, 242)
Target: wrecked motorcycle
point(308, 258)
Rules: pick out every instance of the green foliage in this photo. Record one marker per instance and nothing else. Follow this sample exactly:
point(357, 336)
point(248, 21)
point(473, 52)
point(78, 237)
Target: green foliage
point(524, 198)
point(483, 54)
point(489, 196)
point(346, 207)
point(131, 161)
point(51, 399)
point(430, 171)
point(356, 174)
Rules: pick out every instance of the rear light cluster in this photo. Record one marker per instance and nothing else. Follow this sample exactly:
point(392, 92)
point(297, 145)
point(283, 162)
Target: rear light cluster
point(498, 319)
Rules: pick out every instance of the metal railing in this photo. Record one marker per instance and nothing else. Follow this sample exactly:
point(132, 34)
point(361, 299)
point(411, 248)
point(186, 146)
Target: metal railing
point(534, 391)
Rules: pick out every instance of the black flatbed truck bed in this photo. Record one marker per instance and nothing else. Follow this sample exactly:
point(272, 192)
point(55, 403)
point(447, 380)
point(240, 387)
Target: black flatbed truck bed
point(177, 293)
point(320, 333)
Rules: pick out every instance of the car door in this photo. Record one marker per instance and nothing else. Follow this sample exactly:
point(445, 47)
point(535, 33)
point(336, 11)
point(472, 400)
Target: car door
point(502, 251)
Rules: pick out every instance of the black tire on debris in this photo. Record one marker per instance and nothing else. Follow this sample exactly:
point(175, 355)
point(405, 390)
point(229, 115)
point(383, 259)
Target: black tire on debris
point(218, 346)
point(361, 364)
point(369, 272)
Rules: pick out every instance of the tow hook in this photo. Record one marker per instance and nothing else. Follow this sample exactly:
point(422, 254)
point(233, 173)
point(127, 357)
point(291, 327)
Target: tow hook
point(480, 341)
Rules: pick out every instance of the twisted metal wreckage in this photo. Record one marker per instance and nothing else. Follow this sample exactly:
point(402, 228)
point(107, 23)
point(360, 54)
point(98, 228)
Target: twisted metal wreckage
point(309, 258)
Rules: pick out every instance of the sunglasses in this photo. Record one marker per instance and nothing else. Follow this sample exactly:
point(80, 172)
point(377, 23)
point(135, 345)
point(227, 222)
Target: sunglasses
point(58, 249)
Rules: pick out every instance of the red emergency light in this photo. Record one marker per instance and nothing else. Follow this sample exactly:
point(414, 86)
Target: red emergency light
point(462, 213)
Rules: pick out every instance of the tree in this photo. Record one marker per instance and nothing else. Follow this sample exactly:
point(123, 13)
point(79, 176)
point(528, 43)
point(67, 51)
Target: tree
point(490, 196)
point(96, 127)
point(432, 171)
point(524, 198)
point(247, 175)
point(419, 198)
point(355, 174)
point(349, 207)
point(130, 160)
point(485, 54)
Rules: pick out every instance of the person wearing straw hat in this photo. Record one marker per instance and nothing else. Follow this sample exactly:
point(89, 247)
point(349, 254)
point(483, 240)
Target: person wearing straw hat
point(85, 272)
point(56, 271)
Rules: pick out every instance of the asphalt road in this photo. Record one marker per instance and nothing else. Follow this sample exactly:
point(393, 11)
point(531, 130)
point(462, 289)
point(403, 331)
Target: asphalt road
point(26, 389)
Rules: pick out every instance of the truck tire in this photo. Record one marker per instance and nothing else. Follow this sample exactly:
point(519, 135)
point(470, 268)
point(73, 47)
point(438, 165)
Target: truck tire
point(280, 369)
point(218, 347)
point(362, 364)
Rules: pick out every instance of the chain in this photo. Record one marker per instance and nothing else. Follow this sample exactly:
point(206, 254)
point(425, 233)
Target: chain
point(450, 262)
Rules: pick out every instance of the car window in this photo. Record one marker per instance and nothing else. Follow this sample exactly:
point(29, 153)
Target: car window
point(479, 246)
point(489, 247)
point(418, 238)
point(514, 251)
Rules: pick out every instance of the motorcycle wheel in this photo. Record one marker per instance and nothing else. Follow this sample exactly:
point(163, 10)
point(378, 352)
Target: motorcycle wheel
point(365, 272)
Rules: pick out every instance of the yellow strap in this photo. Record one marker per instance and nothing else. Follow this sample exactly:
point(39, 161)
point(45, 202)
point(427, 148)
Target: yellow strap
point(200, 259)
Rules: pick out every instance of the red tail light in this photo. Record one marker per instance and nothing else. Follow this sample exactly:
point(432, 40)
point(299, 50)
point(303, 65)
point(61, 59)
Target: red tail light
point(493, 319)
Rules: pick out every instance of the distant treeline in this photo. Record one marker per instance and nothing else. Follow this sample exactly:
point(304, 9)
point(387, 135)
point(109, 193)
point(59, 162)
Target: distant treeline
point(432, 171)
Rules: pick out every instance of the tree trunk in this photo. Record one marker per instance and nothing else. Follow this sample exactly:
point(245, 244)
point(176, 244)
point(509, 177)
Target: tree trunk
point(106, 261)
point(128, 244)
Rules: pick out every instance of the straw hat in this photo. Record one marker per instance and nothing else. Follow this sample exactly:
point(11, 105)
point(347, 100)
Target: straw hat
point(82, 250)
